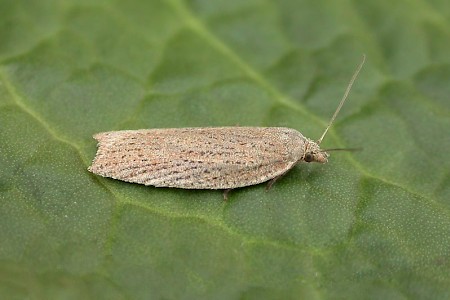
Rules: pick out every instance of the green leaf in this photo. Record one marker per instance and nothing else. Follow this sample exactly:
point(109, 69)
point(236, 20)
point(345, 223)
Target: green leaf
point(372, 224)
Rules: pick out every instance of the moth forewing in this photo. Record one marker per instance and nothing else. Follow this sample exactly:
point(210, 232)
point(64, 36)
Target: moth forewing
point(198, 158)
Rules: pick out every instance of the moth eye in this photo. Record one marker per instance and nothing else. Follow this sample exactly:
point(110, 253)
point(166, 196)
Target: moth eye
point(308, 157)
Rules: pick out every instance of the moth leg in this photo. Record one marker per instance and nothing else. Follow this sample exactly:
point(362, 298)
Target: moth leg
point(225, 194)
point(272, 181)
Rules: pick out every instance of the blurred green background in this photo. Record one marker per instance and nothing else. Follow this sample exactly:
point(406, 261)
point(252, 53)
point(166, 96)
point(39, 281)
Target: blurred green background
point(372, 224)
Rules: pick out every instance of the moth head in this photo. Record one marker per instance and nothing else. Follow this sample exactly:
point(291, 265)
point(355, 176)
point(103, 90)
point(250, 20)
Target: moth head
point(313, 153)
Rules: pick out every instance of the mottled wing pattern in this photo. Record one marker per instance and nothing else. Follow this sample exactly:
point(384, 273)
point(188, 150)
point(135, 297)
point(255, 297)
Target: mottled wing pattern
point(197, 158)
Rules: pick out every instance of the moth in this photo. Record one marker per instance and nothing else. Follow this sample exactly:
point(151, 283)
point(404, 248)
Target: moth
point(222, 158)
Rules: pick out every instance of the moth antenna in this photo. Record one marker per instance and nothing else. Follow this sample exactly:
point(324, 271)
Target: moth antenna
point(347, 91)
point(342, 149)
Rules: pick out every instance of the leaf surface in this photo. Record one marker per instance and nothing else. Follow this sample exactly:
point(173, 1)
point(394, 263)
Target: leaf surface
point(372, 224)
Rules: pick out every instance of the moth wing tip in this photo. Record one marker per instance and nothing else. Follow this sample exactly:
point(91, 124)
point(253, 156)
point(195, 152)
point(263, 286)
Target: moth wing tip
point(91, 168)
point(98, 136)
point(95, 168)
